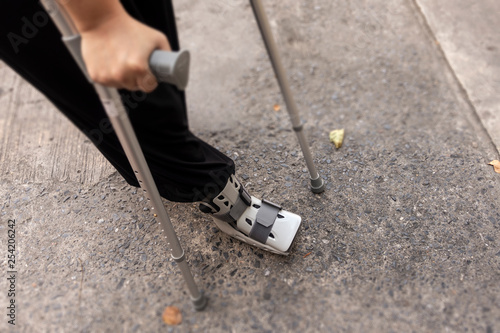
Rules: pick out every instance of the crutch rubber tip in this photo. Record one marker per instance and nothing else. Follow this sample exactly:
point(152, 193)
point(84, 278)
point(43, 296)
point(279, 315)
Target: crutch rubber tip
point(200, 303)
point(317, 185)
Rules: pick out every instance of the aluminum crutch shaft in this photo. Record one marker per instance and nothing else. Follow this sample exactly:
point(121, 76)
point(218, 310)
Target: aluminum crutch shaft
point(317, 184)
point(116, 112)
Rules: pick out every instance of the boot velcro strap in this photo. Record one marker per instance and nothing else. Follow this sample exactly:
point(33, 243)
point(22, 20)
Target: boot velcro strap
point(264, 221)
point(247, 199)
point(239, 207)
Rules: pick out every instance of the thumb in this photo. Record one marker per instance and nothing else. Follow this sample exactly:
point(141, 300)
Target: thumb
point(163, 44)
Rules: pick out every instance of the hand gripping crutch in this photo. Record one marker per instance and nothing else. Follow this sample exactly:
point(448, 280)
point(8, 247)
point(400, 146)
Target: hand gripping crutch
point(171, 67)
point(317, 184)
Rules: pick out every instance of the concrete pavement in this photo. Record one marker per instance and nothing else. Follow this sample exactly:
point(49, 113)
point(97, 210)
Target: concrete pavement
point(467, 33)
point(405, 239)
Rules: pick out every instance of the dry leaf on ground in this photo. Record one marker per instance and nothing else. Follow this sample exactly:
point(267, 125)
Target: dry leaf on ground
point(172, 315)
point(496, 165)
point(337, 137)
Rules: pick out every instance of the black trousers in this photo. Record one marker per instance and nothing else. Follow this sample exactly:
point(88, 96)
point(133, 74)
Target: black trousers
point(185, 168)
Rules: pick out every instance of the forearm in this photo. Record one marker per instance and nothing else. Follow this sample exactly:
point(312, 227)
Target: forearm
point(89, 14)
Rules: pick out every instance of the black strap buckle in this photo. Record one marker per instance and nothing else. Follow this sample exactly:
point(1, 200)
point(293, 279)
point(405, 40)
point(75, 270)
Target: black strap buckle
point(247, 199)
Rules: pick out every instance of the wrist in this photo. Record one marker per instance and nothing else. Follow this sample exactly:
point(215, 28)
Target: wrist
point(91, 15)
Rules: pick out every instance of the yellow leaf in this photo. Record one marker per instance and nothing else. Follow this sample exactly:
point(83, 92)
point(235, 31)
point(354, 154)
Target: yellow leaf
point(337, 137)
point(172, 315)
point(496, 165)
point(277, 107)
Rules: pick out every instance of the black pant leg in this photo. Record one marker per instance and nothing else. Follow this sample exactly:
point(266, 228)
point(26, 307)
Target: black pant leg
point(184, 167)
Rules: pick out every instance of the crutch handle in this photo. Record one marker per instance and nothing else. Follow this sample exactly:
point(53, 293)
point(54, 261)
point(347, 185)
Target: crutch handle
point(171, 67)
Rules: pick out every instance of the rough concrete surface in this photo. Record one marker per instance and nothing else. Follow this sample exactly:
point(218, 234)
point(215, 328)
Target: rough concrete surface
point(405, 238)
point(37, 143)
point(468, 34)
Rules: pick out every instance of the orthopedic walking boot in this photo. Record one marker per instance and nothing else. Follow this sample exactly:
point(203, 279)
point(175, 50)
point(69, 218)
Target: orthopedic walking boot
point(260, 223)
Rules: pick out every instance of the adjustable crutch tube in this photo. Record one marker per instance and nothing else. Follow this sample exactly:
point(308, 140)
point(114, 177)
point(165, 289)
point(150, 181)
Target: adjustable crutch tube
point(168, 68)
point(317, 184)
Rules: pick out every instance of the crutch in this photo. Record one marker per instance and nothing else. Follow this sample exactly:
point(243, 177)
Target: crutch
point(171, 67)
point(317, 184)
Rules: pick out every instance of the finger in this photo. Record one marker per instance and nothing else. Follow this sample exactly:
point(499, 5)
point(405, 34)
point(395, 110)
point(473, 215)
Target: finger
point(147, 82)
point(124, 81)
point(114, 77)
point(163, 43)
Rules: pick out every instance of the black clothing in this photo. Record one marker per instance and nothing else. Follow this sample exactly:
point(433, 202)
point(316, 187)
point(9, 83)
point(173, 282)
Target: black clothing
point(184, 167)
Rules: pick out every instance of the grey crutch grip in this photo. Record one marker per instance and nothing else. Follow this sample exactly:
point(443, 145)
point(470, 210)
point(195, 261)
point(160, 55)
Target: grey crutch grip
point(171, 67)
